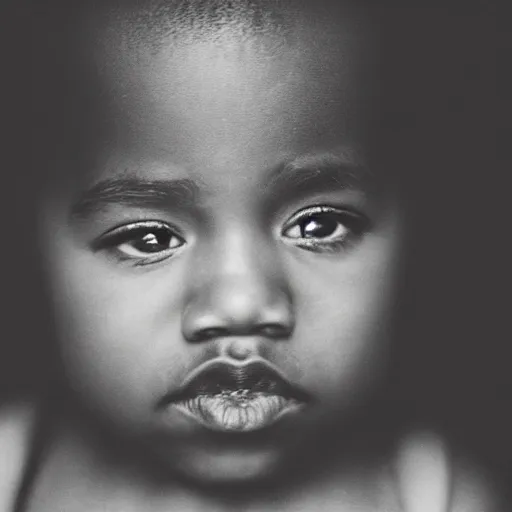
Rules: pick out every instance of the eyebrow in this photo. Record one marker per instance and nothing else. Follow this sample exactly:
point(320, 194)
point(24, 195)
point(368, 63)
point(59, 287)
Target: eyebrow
point(334, 171)
point(331, 171)
point(136, 193)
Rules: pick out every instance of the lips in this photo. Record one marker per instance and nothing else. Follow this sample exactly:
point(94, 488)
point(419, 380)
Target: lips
point(237, 397)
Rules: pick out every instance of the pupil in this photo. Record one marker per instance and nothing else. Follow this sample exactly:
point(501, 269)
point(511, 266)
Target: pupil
point(316, 227)
point(153, 242)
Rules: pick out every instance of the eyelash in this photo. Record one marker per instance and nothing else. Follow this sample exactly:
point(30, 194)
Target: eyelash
point(114, 239)
point(355, 223)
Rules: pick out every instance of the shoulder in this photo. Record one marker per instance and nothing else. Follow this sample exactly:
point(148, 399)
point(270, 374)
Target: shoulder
point(424, 472)
point(432, 478)
point(16, 425)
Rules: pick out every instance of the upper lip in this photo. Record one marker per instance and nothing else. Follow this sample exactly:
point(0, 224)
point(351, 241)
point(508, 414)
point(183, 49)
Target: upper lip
point(257, 375)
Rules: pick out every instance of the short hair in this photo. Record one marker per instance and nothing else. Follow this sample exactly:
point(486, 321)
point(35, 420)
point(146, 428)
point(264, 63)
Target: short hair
point(153, 21)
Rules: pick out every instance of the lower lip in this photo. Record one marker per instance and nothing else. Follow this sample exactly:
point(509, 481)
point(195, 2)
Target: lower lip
point(236, 412)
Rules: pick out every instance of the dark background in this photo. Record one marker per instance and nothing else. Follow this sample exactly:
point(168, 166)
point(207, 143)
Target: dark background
point(440, 82)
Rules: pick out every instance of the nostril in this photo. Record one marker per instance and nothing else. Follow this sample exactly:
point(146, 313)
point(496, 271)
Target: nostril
point(238, 312)
point(208, 333)
point(268, 330)
point(274, 330)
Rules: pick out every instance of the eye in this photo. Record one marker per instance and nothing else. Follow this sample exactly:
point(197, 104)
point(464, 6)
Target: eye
point(146, 242)
point(325, 228)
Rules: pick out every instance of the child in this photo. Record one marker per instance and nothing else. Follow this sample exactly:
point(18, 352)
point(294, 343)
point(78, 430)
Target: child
point(223, 252)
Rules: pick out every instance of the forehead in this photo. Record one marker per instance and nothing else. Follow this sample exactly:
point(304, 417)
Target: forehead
point(283, 80)
point(287, 53)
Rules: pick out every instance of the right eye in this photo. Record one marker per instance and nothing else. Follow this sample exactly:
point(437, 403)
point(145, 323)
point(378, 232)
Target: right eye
point(324, 228)
point(144, 242)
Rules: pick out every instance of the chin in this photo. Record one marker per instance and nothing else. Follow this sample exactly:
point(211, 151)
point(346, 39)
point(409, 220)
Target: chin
point(212, 468)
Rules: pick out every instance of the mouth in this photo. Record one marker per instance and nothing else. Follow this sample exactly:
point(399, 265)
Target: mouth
point(237, 398)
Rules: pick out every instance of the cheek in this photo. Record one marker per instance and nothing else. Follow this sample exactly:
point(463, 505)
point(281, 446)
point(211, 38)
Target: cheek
point(344, 329)
point(115, 330)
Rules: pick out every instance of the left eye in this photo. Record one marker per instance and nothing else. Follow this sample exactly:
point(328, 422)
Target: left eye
point(324, 225)
point(146, 240)
point(150, 243)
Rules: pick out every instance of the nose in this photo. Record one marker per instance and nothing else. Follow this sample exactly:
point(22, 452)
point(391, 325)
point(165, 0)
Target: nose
point(240, 291)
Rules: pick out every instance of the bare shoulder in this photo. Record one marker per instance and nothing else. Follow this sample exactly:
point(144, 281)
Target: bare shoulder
point(433, 478)
point(16, 424)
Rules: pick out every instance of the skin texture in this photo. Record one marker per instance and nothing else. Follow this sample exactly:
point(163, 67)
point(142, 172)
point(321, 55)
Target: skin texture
point(248, 120)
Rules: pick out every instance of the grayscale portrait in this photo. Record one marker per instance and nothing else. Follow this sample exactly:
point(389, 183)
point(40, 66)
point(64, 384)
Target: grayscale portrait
point(249, 252)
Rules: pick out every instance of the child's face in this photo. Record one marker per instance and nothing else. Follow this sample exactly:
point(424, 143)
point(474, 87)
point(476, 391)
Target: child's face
point(228, 219)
